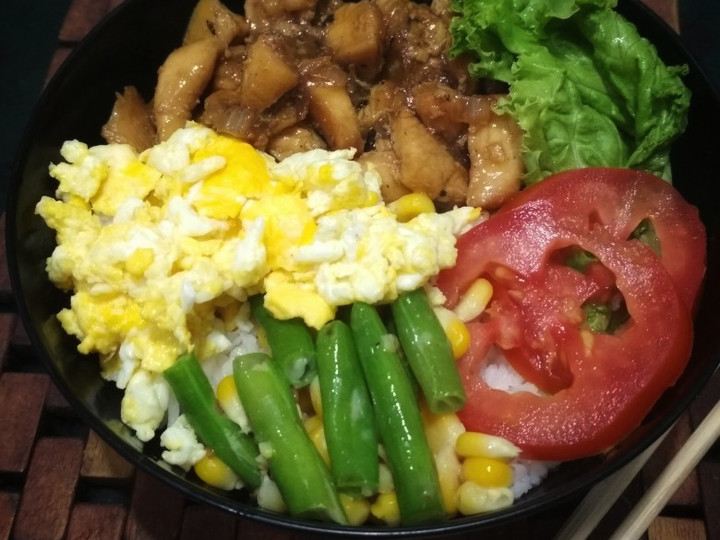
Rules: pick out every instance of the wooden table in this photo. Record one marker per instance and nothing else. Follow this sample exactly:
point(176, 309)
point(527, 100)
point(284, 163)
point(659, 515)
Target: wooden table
point(59, 480)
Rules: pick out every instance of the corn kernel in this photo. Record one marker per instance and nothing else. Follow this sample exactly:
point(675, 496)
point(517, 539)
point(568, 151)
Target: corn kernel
point(456, 331)
point(411, 205)
point(441, 429)
point(356, 510)
point(226, 390)
point(474, 499)
point(230, 402)
point(385, 508)
point(213, 471)
point(139, 261)
point(372, 198)
point(386, 483)
point(315, 397)
point(487, 472)
point(312, 422)
point(449, 470)
point(317, 436)
point(475, 300)
point(474, 444)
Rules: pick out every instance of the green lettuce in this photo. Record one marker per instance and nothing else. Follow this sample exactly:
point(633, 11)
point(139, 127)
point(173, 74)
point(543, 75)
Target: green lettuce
point(585, 87)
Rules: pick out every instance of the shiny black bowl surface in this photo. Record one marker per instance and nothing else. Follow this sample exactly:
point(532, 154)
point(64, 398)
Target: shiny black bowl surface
point(126, 49)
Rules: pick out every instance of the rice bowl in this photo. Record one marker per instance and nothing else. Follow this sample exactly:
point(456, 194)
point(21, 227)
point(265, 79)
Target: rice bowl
point(94, 395)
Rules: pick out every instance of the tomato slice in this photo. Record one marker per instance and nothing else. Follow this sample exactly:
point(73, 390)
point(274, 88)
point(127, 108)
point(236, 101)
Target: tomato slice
point(620, 199)
point(540, 309)
point(598, 387)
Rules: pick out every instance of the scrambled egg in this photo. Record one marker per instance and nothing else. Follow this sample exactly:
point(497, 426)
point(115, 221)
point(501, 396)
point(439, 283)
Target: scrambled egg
point(183, 447)
point(157, 247)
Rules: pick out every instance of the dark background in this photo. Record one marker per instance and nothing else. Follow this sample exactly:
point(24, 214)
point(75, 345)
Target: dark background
point(28, 37)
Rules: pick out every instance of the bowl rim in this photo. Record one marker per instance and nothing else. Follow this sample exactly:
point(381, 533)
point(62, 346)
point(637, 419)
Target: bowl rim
point(519, 510)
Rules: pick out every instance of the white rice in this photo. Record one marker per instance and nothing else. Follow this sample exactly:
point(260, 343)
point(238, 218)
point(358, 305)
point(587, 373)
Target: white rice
point(242, 340)
point(500, 375)
point(527, 474)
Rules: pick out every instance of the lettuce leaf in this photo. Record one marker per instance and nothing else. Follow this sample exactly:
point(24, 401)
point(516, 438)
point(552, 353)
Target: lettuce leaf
point(585, 87)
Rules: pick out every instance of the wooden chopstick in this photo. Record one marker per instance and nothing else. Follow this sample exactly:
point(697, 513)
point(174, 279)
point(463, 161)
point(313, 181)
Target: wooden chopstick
point(654, 500)
point(602, 496)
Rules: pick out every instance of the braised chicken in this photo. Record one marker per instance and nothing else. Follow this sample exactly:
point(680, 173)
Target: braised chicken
point(131, 121)
point(181, 81)
point(374, 75)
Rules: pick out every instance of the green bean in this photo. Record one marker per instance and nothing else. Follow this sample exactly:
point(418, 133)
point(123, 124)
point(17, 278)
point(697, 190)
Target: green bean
point(291, 344)
point(197, 402)
point(428, 352)
point(295, 464)
point(348, 416)
point(398, 419)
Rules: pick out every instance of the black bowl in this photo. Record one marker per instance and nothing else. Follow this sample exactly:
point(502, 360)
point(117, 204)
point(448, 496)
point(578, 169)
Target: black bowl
point(126, 49)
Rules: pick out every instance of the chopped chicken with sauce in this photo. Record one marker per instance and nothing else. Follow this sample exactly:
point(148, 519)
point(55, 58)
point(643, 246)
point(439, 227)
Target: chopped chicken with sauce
point(288, 76)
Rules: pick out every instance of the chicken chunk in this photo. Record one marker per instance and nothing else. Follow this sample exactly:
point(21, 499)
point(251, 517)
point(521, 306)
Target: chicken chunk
point(356, 33)
point(322, 71)
point(182, 78)
point(228, 74)
point(385, 98)
point(212, 19)
point(295, 139)
point(224, 112)
point(426, 166)
point(290, 110)
point(441, 108)
point(496, 166)
point(130, 121)
point(331, 108)
point(384, 160)
point(266, 75)
point(395, 15)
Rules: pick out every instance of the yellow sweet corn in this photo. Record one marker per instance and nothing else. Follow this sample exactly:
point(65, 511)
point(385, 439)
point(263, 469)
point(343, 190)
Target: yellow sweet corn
point(213, 471)
point(229, 401)
point(474, 499)
point(226, 390)
point(317, 436)
point(312, 422)
point(487, 472)
point(385, 481)
point(455, 330)
point(385, 508)
point(441, 429)
point(449, 472)
point(411, 205)
point(475, 444)
point(315, 397)
point(356, 510)
point(475, 300)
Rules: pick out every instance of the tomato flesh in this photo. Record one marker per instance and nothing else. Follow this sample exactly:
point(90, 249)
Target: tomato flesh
point(596, 387)
point(619, 200)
